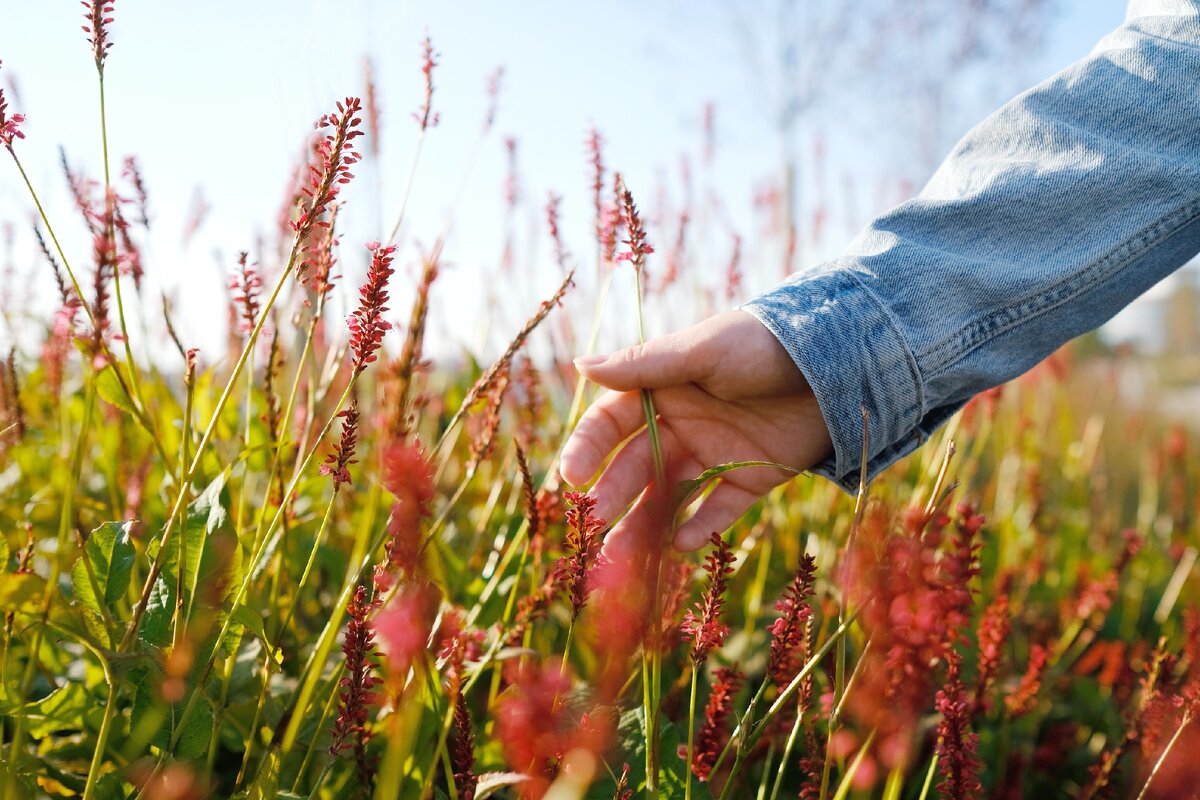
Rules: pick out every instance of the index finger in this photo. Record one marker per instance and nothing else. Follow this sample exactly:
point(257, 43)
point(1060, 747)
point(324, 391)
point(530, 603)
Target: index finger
point(604, 426)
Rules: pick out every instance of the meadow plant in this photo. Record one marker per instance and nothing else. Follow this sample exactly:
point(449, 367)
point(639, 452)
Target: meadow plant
point(328, 564)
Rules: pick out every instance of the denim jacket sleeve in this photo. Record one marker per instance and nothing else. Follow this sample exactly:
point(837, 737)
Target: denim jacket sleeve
point(1044, 221)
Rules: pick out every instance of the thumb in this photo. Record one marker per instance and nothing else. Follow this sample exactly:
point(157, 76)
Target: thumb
point(666, 361)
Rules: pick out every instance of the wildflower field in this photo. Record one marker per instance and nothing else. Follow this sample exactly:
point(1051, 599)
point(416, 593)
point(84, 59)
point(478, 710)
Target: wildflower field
point(323, 564)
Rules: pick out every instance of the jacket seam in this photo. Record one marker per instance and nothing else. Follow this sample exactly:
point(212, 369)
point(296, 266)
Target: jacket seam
point(952, 350)
point(897, 331)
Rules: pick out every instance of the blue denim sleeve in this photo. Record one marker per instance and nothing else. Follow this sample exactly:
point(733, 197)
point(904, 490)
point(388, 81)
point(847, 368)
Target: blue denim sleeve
point(1044, 221)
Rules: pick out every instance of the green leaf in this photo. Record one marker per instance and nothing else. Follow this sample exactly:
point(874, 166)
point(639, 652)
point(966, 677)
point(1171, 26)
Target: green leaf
point(110, 391)
point(160, 607)
point(62, 709)
point(111, 556)
point(252, 621)
point(21, 592)
point(149, 710)
point(4, 553)
point(685, 489)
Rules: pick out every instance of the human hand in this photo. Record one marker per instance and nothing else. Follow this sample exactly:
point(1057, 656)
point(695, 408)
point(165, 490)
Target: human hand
point(725, 390)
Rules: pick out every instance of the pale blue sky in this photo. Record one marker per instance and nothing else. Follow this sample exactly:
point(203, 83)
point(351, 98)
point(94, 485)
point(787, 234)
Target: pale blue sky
point(220, 95)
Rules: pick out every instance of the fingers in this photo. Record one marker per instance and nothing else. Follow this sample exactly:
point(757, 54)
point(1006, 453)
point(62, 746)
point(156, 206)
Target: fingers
point(609, 421)
point(716, 512)
point(669, 360)
point(632, 470)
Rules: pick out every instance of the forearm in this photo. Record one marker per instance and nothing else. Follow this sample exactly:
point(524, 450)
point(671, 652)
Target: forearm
point(1046, 219)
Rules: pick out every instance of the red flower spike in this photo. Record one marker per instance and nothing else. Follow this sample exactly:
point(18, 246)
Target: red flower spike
point(409, 477)
point(337, 463)
point(787, 631)
point(710, 739)
point(531, 723)
point(97, 18)
point(367, 325)
point(993, 632)
point(639, 248)
point(957, 744)
point(704, 626)
point(246, 289)
point(336, 154)
point(425, 116)
point(358, 686)
point(9, 124)
point(404, 627)
point(462, 751)
point(583, 548)
point(1021, 701)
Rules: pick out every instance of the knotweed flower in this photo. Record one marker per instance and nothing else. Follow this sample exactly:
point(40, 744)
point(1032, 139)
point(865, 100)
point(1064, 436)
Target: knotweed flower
point(787, 631)
point(404, 626)
point(1022, 700)
point(10, 124)
point(372, 101)
point(531, 723)
point(639, 248)
point(104, 258)
point(676, 255)
point(733, 272)
point(409, 477)
point(595, 147)
point(623, 790)
point(583, 547)
point(132, 172)
point(484, 440)
point(425, 116)
point(704, 625)
point(358, 685)
point(713, 734)
point(97, 19)
point(462, 751)
point(245, 287)
point(367, 325)
point(553, 204)
point(495, 79)
point(502, 364)
point(957, 744)
point(336, 154)
point(993, 632)
point(337, 463)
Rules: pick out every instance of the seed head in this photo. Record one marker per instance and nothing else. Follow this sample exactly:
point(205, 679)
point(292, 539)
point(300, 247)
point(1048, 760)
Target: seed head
point(425, 116)
point(245, 287)
point(704, 625)
point(9, 123)
point(787, 631)
point(358, 686)
point(96, 21)
point(711, 738)
point(338, 462)
point(367, 325)
point(639, 248)
point(583, 547)
point(336, 154)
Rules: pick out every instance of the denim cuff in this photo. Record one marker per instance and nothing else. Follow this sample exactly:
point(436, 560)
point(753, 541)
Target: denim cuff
point(850, 350)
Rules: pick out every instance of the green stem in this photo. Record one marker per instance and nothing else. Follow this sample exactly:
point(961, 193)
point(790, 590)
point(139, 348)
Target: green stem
point(110, 708)
point(691, 746)
point(17, 742)
point(109, 222)
point(156, 567)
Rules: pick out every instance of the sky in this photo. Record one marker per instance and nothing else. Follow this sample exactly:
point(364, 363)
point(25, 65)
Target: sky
point(216, 100)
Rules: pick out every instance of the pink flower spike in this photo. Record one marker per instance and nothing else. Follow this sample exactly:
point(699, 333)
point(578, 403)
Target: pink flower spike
point(9, 124)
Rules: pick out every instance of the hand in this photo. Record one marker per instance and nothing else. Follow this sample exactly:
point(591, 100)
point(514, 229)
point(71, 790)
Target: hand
point(724, 390)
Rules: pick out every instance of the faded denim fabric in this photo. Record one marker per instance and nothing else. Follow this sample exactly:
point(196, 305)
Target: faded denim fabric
point(1045, 220)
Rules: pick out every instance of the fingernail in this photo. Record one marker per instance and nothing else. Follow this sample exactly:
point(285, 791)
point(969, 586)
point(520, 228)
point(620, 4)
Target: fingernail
point(590, 361)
